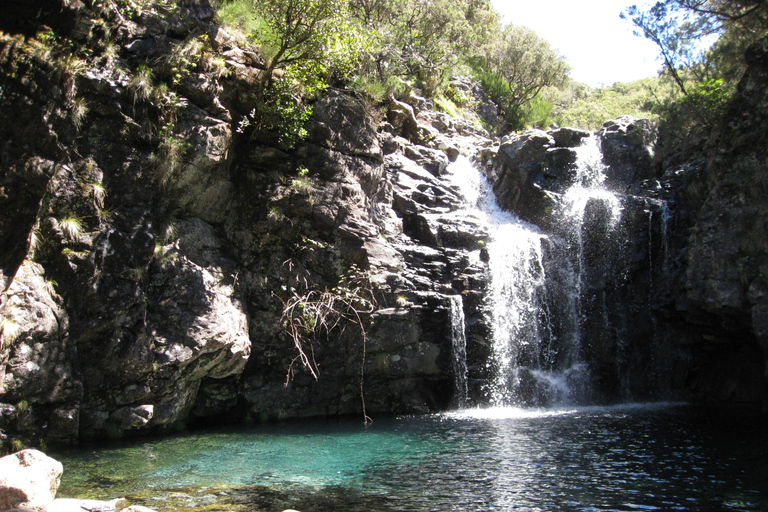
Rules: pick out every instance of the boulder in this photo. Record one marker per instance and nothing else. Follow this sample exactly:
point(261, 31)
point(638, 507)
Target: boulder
point(345, 124)
point(419, 103)
point(627, 146)
point(403, 120)
point(568, 137)
point(486, 109)
point(128, 418)
point(29, 480)
point(516, 172)
point(37, 367)
point(199, 324)
point(449, 148)
point(433, 160)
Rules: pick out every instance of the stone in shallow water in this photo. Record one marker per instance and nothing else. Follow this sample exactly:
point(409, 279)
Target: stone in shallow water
point(29, 480)
point(75, 505)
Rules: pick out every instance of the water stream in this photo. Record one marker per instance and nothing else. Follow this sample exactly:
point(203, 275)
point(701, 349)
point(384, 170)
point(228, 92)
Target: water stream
point(515, 301)
point(459, 352)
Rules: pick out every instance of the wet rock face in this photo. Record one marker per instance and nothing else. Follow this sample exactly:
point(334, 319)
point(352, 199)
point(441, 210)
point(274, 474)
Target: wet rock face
point(517, 174)
point(724, 294)
point(627, 147)
point(528, 168)
point(626, 346)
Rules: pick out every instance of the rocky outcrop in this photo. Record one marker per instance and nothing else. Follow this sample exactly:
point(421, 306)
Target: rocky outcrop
point(627, 148)
point(725, 281)
point(29, 480)
point(158, 241)
point(530, 169)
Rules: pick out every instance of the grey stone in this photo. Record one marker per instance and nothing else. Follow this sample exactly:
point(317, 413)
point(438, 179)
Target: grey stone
point(29, 480)
point(627, 146)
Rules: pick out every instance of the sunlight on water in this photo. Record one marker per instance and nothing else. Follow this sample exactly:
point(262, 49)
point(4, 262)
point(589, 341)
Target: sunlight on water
point(505, 413)
point(659, 456)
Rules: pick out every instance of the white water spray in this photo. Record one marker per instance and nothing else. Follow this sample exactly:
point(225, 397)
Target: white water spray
point(515, 299)
point(537, 332)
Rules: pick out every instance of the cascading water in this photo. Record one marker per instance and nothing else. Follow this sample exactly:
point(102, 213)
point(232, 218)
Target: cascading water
point(537, 299)
point(587, 191)
point(516, 299)
point(588, 216)
point(459, 340)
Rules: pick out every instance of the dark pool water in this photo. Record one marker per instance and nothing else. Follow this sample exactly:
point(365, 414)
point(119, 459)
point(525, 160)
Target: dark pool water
point(632, 457)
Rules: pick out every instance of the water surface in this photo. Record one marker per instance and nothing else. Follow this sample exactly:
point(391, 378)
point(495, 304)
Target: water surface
point(632, 457)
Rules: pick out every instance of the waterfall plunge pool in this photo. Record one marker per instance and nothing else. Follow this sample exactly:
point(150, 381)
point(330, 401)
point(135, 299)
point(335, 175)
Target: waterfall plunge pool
point(629, 457)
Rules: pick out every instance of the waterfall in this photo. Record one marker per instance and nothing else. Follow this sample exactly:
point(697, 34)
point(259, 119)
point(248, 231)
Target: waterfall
point(517, 310)
point(567, 312)
point(516, 300)
point(459, 342)
point(553, 321)
point(666, 215)
point(588, 217)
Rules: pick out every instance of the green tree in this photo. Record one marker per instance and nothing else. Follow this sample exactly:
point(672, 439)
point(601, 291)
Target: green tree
point(701, 40)
point(308, 38)
point(305, 43)
point(517, 68)
point(702, 44)
point(424, 40)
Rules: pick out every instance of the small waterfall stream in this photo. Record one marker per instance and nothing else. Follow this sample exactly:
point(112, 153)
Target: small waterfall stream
point(459, 342)
point(516, 300)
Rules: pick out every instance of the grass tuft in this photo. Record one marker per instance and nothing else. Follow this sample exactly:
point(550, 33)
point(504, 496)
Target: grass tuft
point(72, 227)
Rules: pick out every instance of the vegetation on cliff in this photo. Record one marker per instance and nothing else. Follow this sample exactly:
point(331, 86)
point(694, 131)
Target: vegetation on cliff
point(388, 47)
point(702, 44)
point(706, 47)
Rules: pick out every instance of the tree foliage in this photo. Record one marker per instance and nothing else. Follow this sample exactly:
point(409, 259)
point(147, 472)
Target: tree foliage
point(515, 70)
point(390, 46)
point(702, 44)
point(305, 44)
point(308, 38)
point(701, 40)
point(427, 40)
point(580, 106)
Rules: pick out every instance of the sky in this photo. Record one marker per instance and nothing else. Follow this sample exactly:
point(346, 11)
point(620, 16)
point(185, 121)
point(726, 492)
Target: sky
point(599, 46)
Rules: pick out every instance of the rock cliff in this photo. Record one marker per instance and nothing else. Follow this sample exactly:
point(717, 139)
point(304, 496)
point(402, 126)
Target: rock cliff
point(151, 249)
point(722, 295)
point(161, 267)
